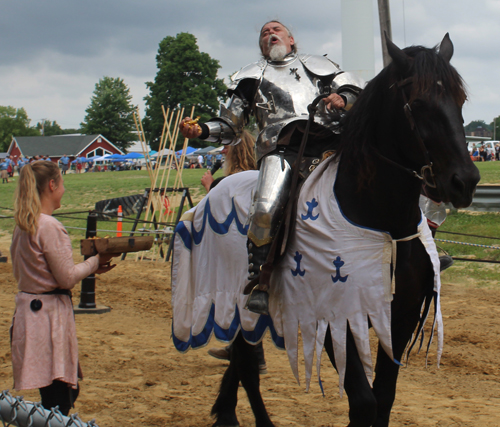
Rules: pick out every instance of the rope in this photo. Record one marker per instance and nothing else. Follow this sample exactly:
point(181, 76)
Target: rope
point(467, 244)
point(131, 221)
point(125, 231)
point(470, 235)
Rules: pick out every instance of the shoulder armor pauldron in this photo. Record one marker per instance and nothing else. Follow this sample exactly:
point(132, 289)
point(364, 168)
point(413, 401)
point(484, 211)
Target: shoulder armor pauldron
point(252, 71)
point(349, 80)
point(319, 65)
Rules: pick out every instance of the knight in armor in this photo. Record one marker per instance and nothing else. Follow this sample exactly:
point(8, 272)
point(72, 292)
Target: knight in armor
point(277, 91)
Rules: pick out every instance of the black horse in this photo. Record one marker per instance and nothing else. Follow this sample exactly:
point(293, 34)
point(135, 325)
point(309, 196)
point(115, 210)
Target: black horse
point(404, 133)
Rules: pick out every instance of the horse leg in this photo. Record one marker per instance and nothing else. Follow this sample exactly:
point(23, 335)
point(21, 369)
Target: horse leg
point(384, 387)
point(387, 371)
point(248, 372)
point(362, 402)
point(224, 408)
point(406, 308)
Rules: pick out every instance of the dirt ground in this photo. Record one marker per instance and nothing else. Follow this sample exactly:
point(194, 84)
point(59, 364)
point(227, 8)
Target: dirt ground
point(134, 376)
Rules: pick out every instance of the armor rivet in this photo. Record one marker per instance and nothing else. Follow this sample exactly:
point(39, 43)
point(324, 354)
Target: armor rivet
point(311, 168)
point(250, 256)
point(250, 266)
point(315, 161)
point(252, 274)
point(250, 246)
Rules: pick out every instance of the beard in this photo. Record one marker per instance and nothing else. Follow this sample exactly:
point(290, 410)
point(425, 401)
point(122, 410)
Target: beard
point(277, 52)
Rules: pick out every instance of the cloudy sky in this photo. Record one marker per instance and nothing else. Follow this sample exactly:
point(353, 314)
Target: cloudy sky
point(53, 52)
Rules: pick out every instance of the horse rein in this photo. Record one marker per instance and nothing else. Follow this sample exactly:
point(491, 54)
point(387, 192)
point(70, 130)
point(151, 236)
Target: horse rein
point(426, 173)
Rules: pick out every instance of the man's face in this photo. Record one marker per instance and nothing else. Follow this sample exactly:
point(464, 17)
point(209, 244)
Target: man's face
point(273, 34)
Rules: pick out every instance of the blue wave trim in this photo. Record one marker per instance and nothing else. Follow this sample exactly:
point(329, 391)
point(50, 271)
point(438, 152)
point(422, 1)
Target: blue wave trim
point(182, 231)
point(200, 340)
point(188, 238)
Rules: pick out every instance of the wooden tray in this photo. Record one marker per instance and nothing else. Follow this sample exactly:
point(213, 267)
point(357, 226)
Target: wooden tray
point(115, 245)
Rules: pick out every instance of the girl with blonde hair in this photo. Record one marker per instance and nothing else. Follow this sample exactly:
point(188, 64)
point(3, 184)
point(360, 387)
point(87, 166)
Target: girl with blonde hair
point(239, 158)
point(43, 332)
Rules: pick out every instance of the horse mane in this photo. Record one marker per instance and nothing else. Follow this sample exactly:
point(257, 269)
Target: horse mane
point(432, 76)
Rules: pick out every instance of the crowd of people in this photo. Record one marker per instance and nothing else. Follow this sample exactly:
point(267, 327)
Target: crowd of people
point(485, 153)
point(10, 165)
point(201, 161)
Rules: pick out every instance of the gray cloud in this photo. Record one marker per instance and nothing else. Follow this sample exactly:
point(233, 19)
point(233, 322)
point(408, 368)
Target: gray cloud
point(53, 52)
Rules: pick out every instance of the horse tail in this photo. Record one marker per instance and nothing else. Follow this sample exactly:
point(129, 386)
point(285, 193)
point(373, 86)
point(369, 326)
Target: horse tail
point(426, 305)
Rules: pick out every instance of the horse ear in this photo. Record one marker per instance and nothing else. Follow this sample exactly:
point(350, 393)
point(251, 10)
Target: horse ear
point(446, 48)
point(400, 59)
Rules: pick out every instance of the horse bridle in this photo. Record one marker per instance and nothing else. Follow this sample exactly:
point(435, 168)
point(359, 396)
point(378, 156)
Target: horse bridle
point(426, 173)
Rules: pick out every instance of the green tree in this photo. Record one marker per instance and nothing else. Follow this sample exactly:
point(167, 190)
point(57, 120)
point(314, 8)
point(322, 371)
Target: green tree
point(70, 131)
point(495, 128)
point(472, 126)
point(14, 122)
point(185, 77)
point(110, 112)
point(48, 128)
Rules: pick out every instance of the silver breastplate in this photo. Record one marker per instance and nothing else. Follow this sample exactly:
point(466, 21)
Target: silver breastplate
point(285, 91)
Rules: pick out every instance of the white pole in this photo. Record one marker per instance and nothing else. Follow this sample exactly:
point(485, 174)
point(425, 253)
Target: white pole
point(357, 38)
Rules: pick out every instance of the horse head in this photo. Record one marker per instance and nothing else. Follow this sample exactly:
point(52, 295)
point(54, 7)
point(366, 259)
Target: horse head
point(431, 96)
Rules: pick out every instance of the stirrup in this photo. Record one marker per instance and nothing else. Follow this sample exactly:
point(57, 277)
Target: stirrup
point(445, 261)
point(258, 302)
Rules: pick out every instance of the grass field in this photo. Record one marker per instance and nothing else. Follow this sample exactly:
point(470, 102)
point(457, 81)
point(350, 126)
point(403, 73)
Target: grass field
point(84, 190)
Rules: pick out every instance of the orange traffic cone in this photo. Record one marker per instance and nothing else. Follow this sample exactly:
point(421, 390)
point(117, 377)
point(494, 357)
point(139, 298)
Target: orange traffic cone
point(119, 223)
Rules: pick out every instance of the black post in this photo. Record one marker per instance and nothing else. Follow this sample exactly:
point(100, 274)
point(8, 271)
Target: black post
point(138, 216)
point(177, 219)
point(87, 296)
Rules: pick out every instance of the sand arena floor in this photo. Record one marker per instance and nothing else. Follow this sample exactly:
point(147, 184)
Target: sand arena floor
point(134, 376)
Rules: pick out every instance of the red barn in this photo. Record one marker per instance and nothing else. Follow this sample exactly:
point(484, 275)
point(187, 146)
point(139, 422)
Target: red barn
point(58, 145)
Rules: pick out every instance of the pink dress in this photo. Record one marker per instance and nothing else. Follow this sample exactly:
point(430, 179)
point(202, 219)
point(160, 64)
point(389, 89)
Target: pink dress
point(44, 342)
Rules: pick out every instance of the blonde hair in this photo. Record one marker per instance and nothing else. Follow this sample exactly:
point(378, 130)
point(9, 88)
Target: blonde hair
point(33, 180)
point(241, 157)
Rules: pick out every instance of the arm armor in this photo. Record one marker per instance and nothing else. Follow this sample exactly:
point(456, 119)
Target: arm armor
point(348, 86)
point(227, 128)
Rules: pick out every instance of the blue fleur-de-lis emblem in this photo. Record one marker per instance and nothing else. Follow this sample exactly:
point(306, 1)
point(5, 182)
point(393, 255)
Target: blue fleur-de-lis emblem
point(298, 271)
point(309, 215)
point(338, 263)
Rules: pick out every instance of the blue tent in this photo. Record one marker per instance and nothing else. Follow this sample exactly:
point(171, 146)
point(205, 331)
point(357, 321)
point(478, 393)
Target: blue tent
point(131, 156)
point(188, 150)
point(92, 159)
point(116, 157)
point(82, 160)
